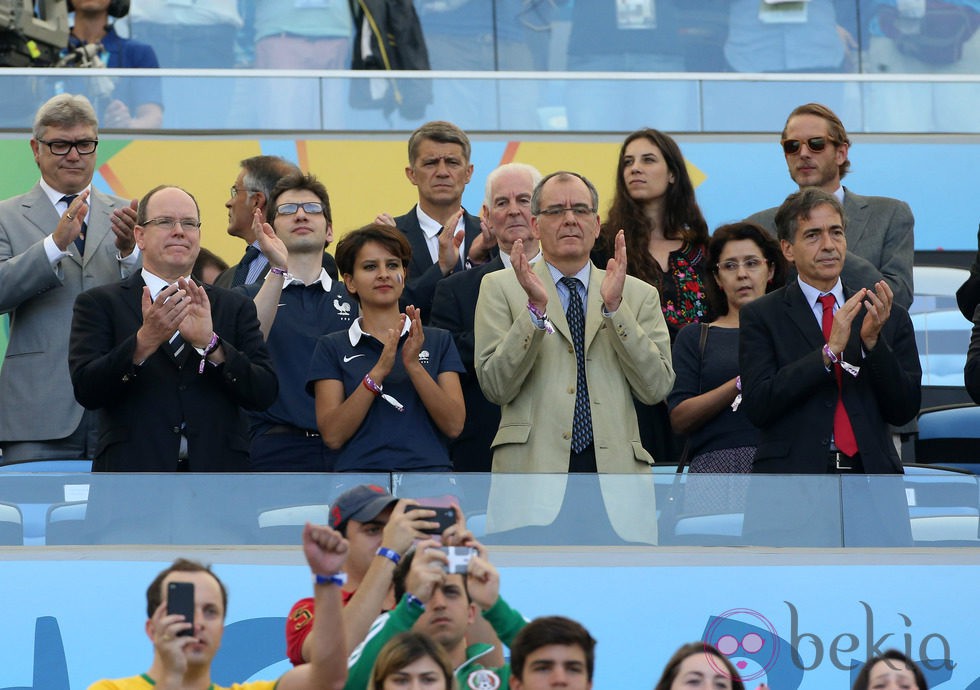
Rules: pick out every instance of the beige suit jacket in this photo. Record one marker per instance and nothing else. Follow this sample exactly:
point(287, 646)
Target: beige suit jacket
point(532, 374)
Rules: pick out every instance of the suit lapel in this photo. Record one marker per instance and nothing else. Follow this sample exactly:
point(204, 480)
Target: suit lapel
point(99, 223)
point(856, 210)
point(802, 314)
point(593, 314)
point(420, 249)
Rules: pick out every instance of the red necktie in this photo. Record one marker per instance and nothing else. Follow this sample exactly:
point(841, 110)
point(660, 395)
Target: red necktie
point(843, 432)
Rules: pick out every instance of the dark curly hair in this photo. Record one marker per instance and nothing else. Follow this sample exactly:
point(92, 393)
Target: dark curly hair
point(682, 220)
point(742, 231)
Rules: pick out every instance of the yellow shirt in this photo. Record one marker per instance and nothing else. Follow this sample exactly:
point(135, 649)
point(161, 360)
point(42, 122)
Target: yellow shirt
point(144, 682)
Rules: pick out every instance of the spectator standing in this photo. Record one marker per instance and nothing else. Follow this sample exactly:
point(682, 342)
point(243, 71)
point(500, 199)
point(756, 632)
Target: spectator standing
point(57, 240)
point(699, 665)
point(387, 390)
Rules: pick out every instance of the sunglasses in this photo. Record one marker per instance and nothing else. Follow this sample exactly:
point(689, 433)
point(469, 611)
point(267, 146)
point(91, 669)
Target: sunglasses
point(815, 144)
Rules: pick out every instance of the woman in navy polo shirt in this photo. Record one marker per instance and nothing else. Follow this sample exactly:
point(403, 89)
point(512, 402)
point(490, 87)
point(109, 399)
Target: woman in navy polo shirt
point(387, 390)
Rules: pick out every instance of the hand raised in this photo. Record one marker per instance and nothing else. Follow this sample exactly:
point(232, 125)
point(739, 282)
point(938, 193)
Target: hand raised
point(384, 219)
point(611, 289)
point(528, 279)
point(70, 225)
point(449, 243)
point(122, 222)
point(196, 327)
point(416, 337)
point(325, 549)
point(841, 330)
point(879, 306)
point(162, 316)
point(269, 243)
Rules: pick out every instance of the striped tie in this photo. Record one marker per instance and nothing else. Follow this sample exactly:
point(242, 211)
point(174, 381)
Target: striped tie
point(582, 421)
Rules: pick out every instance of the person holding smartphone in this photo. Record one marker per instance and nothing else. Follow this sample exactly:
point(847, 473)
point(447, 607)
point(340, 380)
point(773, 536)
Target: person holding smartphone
point(182, 661)
point(387, 390)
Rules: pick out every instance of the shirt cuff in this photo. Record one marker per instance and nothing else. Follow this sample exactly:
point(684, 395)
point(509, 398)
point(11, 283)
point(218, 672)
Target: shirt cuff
point(51, 249)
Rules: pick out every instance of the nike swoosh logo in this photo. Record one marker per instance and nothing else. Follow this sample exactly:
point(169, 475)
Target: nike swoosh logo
point(349, 358)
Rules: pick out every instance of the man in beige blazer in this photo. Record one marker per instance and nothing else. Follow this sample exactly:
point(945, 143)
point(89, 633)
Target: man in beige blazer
point(526, 362)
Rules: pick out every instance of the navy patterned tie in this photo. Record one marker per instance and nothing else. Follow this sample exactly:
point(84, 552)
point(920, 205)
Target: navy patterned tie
point(240, 277)
point(80, 240)
point(575, 315)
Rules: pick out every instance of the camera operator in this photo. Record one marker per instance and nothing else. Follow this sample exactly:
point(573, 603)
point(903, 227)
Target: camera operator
point(132, 103)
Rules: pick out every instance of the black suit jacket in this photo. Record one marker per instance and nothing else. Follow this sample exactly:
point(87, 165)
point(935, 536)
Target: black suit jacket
point(142, 409)
point(454, 308)
point(423, 273)
point(790, 396)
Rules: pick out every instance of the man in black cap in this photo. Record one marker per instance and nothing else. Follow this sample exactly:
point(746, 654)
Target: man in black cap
point(379, 531)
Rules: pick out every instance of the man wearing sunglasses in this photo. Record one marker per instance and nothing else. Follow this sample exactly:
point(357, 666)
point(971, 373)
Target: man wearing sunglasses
point(297, 302)
point(58, 239)
point(880, 239)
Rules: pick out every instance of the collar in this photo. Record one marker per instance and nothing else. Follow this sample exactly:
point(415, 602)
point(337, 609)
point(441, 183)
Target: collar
point(811, 293)
point(54, 196)
point(474, 652)
point(505, 257)
point(155, 282)
point(840, 194)
point(582, 274)
point(431, 227)
point(324, 279)
point(355, 332)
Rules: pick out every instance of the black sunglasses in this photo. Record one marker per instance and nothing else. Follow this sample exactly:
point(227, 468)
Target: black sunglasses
point(815, 144)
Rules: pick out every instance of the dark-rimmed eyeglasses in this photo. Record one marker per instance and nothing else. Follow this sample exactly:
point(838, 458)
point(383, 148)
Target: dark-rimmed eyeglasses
point(815, 144)
point(60, 147)
point(307, 206)
point(171, 223)
point(579, 211)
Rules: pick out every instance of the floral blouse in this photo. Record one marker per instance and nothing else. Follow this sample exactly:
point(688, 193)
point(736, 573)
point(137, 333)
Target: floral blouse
point(682, 295)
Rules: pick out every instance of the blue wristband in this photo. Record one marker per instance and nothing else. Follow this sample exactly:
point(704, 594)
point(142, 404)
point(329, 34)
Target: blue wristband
point(412, 600)
point(339, 579)
point(390, 554)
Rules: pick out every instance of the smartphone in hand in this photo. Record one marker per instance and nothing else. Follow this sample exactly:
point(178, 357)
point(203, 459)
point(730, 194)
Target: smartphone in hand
point(446, 517)
point(180, 599)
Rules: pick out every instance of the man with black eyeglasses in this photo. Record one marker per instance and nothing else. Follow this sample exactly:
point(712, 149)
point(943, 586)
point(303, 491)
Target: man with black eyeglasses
point(880, 243)
point(58, 239)
point(297, 302)
point(169, 364)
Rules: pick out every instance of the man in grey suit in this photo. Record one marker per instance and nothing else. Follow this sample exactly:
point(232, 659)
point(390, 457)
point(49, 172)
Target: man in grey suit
point(880, 241)
point(57, 240)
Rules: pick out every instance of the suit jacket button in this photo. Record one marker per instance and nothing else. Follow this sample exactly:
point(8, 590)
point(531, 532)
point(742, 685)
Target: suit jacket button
point(175, 429)
point(566, 436)
point(571, 350)
point(571, 390)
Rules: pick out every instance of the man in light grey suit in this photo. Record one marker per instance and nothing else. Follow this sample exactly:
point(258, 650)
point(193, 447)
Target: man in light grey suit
point(880, 241)
point(57, 240)
point(563, 347)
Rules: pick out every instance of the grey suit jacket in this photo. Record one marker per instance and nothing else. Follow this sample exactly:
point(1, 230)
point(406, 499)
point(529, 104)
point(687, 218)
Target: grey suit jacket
point(35, 389)
point(880, 242)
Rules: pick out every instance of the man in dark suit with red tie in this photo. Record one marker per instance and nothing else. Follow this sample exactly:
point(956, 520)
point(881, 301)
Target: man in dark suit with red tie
point(169, 364)
point(825, 368)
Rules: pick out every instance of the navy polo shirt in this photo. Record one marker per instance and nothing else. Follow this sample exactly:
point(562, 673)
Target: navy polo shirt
point(305, 313)
point(387, 440)
point(123, 52)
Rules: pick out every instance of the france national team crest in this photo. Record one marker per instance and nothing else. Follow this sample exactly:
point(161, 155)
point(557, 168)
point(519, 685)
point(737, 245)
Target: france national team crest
point(424, 356)
point(483, 679)
point(343, 308)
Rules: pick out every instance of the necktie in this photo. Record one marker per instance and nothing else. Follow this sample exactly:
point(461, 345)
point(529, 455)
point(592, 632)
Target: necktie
point(176, 345)
point(241, 271)
point(80, 240)
point(843, 432)
point(575, 315)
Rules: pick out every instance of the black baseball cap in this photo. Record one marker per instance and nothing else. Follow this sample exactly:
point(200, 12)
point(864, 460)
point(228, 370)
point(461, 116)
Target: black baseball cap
point(362, 503)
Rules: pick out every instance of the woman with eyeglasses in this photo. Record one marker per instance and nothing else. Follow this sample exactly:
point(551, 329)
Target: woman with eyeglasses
point(387, 390)
point(746, 263)
point(666, 237)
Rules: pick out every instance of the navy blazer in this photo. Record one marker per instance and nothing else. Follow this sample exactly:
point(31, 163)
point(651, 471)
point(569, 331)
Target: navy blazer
point(789, 394)
point(144, 410)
